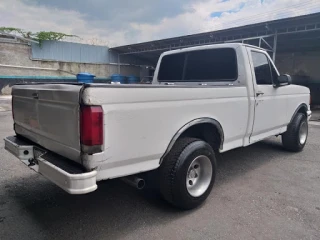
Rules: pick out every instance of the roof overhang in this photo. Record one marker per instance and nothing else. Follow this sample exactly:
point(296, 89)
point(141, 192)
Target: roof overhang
point(291, 34)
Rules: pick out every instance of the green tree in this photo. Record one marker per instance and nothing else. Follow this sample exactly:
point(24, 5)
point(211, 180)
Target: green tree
point(37, 36)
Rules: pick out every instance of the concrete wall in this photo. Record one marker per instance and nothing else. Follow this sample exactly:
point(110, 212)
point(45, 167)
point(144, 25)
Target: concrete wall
point(20, 54)
point(304, 67)
point(300, 64)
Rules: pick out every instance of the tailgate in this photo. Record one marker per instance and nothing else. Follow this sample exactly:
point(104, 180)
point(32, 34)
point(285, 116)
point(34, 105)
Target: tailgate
point(48, 114)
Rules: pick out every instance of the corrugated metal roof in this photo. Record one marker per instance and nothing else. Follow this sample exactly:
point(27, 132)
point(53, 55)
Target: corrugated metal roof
point(80, 53)
point(70, 52)
point(301, 31)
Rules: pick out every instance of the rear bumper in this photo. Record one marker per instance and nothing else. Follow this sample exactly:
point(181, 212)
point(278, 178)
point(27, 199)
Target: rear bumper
point(69, 176)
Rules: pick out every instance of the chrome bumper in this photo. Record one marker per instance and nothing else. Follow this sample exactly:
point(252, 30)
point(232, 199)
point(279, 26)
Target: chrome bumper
point(67, 175)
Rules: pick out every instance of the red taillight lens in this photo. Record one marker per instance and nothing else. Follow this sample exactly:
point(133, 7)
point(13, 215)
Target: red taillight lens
point(91, 133)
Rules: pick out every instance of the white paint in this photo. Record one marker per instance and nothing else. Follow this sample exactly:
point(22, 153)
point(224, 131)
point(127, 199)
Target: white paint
point(275, 107)
point(140, 122)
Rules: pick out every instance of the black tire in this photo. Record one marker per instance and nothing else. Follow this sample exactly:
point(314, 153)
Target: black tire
point(291, 138)
point(174, 169)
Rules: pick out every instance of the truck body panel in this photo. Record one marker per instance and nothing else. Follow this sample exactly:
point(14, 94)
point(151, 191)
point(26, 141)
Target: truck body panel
point(48, 114)
point(141, 117)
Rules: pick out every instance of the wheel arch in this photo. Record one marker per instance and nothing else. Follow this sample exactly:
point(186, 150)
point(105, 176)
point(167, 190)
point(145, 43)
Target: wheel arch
point(302, 108)
point(200, 123)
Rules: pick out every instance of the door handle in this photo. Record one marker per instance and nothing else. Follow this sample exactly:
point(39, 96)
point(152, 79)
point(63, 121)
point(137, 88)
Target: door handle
point(259, 93)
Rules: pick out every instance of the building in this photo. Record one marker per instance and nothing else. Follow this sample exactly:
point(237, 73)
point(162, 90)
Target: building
point(294, 44)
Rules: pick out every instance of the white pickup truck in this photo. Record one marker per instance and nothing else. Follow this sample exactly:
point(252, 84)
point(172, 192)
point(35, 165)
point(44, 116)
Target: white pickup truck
point(202, 100)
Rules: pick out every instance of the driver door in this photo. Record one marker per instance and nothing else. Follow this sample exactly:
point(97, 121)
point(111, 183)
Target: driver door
point(270, 102)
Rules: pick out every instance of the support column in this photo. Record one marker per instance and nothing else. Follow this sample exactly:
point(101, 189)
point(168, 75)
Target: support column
point(118, 63)
point(275, 47)
point(259, 42)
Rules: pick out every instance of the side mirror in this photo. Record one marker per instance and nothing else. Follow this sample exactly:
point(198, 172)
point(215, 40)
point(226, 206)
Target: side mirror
point(283, 80)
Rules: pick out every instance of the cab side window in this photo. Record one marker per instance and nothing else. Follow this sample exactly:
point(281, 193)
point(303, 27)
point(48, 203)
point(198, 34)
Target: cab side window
point(262, 68)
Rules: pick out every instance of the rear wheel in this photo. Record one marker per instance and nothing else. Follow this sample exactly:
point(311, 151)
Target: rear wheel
point(187, 174)
point(295, 138)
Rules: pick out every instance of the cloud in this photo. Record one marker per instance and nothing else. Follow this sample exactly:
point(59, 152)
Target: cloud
point(114, 14)
point(233, 10)
point(124, 22)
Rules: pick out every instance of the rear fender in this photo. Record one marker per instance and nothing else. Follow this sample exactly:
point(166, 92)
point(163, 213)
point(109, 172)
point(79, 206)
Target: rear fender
point(194, 122)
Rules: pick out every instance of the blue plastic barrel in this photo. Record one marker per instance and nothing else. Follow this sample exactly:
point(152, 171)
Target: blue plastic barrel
point(85, 77)
point(133, 79)
point(117, 78)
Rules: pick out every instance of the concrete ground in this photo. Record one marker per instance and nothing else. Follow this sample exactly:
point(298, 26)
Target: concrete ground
point(5, 103)
point(315, 114)
point(261, 192)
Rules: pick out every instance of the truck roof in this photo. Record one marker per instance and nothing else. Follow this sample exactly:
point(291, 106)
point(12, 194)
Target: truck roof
point(221, 45)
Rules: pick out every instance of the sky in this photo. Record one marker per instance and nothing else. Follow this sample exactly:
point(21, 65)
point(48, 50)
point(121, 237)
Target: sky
point(120, 22)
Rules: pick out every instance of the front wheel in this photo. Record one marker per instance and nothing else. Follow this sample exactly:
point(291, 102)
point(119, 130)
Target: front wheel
point(188, 172)
point(295, 138)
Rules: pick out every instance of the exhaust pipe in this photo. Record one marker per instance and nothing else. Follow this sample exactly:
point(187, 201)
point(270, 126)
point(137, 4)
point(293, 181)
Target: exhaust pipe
point(134, 181)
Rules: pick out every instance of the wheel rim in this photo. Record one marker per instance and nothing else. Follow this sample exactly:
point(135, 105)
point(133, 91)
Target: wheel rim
point(303, 133)
point(199, 176)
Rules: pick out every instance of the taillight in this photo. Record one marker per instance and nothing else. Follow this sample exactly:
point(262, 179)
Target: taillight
point(91, 125)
